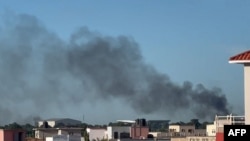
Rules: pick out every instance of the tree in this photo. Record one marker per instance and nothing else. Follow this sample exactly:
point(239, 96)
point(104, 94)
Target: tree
point(29, 130)
point(13, 126)
point(195, 122)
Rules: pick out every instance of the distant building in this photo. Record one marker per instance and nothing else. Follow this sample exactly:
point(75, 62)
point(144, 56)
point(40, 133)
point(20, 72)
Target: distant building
point(43, 133)
point(181, 130)
point(12, 135)
point(64, 138)
point(60, 122)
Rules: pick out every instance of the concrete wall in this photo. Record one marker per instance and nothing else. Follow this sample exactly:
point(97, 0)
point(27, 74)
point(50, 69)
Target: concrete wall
point(139, 132)
point(182, 130)
point(69, 132)
point(63, 138)
point(179, 139)
point(42, 134)
point(247, 92)
point(204, 138)
point(95, 134)
point(174, 128)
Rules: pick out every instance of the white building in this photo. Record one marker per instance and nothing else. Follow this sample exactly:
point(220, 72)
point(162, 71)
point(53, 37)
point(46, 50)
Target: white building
point(244, 59)
point(43, 133)
point(220, 121)
point(59, 122)
point(118, 132)
point(64, 138)
point(211, 129)
point(97, 134)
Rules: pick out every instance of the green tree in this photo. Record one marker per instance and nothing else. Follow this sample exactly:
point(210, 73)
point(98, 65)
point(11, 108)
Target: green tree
point(13, 126)
point(29, 130)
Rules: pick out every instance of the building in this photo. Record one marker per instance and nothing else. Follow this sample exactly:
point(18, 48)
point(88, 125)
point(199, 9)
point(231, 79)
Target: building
point(244, 59)
point(58, 122)
point(64, 138)
point(12, 135)
point(97, 134)
point(181, 130)
point(140, 130)
point(211, 129)
point(220, 121)
point(118, 132)
point(43, 133)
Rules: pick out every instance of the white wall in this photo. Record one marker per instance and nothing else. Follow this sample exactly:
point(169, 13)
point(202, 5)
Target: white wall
point(49, 138)
point(119, 129)
point(95, 134)
point(40, 123)
point(174, 127)
point(51, 123)
point(247, 92)
point(211, 129)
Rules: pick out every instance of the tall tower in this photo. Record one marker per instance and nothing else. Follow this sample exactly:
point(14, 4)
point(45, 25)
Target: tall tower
point(244, 59)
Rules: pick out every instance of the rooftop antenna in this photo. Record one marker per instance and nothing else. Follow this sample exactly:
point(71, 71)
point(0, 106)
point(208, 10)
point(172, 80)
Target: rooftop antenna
point(82, 118)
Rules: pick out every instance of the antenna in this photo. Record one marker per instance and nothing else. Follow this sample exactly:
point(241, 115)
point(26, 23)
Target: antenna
point(82, 118)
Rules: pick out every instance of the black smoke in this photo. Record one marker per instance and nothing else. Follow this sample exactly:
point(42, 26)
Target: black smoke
point(39, 69)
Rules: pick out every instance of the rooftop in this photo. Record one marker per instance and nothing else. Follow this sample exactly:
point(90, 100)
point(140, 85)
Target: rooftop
point(241, 58)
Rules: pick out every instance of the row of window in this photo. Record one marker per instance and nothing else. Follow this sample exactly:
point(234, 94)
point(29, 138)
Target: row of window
point(197, 139)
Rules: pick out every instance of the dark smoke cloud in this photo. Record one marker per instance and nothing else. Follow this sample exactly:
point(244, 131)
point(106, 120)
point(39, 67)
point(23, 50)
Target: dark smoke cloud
point(40, 70)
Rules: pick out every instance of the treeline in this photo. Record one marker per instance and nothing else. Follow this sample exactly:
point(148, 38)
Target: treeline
point(195, 122)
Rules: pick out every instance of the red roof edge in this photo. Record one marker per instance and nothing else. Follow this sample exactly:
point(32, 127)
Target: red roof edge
point(241, 56)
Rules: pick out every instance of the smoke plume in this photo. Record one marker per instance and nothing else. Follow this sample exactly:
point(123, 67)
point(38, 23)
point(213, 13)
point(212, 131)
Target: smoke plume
point(39, 69)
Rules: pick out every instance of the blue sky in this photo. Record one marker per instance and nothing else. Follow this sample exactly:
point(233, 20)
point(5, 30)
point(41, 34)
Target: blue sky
point(186, 40)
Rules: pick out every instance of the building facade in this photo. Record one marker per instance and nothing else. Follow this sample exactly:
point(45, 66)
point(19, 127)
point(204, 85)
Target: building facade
point(118, 132)
point(43, 133)
point(60, 122)
point(12, 135)
point(96, 134)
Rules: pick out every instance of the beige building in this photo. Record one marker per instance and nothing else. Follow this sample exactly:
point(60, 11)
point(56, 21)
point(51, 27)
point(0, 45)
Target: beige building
point(181, 130)
point(211, 129)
